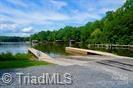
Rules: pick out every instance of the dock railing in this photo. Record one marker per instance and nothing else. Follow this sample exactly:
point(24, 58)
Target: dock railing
point(109, 46)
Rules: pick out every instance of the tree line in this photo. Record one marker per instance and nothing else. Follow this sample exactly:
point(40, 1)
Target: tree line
point(115, 28)
point(13, 39)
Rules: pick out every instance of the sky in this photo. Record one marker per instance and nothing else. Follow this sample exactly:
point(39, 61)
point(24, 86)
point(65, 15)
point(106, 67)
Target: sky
point(25, 17)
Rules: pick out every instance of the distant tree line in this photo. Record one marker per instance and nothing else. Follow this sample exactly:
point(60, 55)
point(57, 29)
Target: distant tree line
point(115, 28)
point(13, 39)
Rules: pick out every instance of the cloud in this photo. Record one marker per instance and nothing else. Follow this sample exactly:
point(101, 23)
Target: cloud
point(22, 16)
point(82, 16)
point(37, 17)
point(9, 26)
point(112, 1)
point(58, 4)
point(27, 30)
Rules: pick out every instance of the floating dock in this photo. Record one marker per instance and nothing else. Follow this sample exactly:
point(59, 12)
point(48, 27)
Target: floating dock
point(87, 52)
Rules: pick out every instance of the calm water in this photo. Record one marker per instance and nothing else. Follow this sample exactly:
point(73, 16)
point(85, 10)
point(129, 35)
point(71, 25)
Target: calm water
point(59, 49)
point(116, 50)
point(16, 47)
point(55, 50)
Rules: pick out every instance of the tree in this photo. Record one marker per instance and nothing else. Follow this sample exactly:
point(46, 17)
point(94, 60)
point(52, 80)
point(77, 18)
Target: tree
point(115, 28)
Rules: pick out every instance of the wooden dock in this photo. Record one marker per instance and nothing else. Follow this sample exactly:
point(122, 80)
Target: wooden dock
point(41, 56)
point(87, 51)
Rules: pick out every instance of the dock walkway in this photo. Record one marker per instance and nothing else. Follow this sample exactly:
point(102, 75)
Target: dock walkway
point(87, 51)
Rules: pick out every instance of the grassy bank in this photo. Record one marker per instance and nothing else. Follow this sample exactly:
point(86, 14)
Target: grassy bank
point(11, 57)
point(20, 64)
point(8, 60)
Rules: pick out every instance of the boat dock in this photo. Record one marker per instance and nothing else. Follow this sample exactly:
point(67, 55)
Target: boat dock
point(91, 52)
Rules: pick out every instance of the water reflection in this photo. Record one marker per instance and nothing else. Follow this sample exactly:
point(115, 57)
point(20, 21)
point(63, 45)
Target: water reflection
point(53, 50)
point(59, 49)
point(17, 47)
point(114, 50)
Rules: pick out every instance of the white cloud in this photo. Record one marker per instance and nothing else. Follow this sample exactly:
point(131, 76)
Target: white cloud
point(113, 2)
point(82, 16)
point(34, 17)
point(48, 17)
point(27, 30)
point(8, 26)
point(58, 4)
point(51, 14)
point(104, 10)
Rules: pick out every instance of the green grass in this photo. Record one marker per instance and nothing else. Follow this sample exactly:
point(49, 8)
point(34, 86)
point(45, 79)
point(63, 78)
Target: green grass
point(9, 60)
point(20, 64)
point(11, 57)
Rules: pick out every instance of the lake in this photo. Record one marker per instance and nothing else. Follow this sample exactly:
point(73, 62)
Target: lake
point(14, 47)
point(55, 50)
point(59, 49)
point(115, 50)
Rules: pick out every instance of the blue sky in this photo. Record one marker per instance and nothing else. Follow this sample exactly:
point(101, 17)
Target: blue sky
point(25, 17)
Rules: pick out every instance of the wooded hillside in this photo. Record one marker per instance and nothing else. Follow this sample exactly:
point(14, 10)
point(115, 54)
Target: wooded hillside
point(115, 28)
